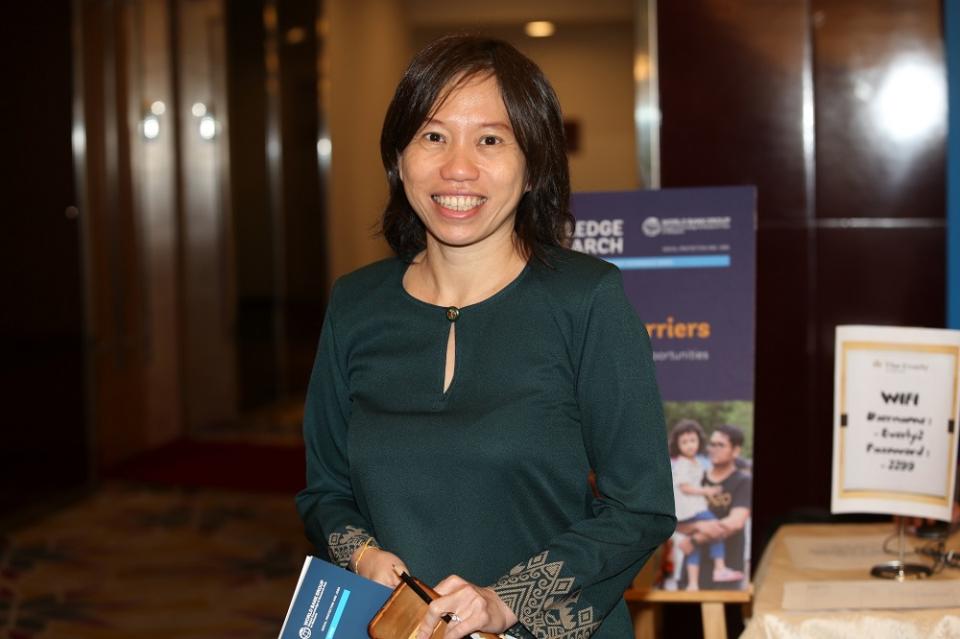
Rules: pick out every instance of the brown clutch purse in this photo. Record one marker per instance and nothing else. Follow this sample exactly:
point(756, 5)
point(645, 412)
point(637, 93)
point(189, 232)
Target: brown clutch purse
point(401, 614)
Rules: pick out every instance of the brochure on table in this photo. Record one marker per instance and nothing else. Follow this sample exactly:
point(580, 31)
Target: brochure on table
point(895, 421)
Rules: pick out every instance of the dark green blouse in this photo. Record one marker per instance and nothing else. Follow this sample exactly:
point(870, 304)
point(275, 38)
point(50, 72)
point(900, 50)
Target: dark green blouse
point(488, 480)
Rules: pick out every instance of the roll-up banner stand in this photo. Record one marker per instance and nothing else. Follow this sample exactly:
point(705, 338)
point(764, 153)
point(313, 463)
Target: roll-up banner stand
point(688, 262)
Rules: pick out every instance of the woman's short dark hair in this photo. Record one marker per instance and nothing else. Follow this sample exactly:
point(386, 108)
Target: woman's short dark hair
point(543, 214)
point(683, 427)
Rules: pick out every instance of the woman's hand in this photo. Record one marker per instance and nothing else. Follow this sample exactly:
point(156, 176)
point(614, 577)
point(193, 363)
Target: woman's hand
point(476, 609)
point(378, 565)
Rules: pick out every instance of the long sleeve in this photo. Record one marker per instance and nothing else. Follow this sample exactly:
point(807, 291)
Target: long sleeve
point(572, 584)
point(327, 505)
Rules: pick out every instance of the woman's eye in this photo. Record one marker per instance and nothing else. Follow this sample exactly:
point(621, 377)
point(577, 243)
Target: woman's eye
point(433, 137)
point(489, 139)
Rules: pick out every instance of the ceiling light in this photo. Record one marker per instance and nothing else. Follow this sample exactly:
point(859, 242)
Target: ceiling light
point(539, 29)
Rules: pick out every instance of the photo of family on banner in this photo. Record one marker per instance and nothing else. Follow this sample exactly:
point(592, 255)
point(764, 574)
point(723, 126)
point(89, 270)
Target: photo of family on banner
point(687, 257)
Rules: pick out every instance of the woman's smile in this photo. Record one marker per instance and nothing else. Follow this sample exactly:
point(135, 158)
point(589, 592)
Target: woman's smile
point(459, 203)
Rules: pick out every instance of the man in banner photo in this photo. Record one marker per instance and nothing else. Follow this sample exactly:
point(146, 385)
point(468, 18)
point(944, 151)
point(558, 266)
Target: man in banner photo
point(687, 257)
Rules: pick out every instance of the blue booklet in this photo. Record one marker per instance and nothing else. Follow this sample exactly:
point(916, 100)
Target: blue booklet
point(330, 602)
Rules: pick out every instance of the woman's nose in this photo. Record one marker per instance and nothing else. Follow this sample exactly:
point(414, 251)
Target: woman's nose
point(460, 165)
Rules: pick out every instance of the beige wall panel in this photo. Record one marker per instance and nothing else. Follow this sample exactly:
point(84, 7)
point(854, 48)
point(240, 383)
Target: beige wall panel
point(368, 48)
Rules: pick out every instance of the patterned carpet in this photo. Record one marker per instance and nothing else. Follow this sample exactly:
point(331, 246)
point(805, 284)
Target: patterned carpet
point(135, 562)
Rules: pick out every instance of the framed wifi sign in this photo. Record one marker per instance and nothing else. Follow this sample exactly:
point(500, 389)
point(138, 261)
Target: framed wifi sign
point(895, 421)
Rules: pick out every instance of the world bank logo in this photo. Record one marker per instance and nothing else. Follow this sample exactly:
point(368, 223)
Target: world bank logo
point(305, 633)
point(651, 227)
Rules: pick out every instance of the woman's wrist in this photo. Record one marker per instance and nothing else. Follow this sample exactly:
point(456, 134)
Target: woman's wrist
point(510, 617)
point(376, 564)
point(358, 554)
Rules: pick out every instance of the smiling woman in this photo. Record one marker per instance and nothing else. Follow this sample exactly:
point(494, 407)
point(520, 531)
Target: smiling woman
point(463, 391)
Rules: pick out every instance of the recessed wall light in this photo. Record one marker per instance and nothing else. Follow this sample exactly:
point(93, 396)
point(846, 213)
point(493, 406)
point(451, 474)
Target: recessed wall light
point(539, 29)
point(208, 127)
point(150, 126)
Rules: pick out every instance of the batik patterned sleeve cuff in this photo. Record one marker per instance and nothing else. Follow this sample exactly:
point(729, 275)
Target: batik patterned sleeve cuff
point(342, 543)
point(545, 601)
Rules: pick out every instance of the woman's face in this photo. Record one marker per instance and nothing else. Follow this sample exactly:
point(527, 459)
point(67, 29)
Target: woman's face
point(463, 172)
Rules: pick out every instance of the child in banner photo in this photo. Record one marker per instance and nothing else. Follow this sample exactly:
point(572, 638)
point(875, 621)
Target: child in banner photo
point(686, 444)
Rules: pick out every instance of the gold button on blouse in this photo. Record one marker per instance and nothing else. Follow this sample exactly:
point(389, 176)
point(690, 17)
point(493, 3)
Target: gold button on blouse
point(453, 313)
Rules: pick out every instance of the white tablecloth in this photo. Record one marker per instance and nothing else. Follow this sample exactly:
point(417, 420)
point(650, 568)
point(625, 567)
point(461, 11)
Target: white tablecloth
point(771, 621)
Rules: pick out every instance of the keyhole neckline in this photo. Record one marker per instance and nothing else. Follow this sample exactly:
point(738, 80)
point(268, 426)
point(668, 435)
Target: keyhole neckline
point(444, 310)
